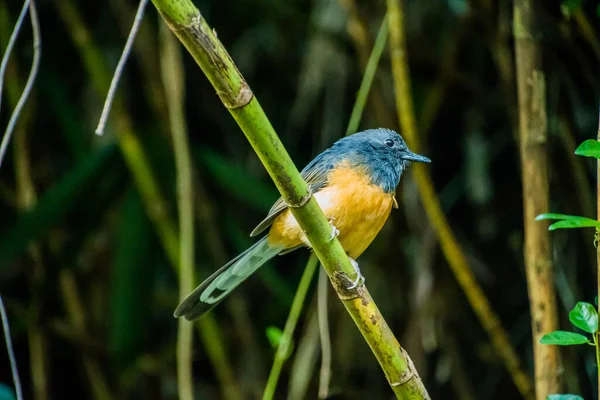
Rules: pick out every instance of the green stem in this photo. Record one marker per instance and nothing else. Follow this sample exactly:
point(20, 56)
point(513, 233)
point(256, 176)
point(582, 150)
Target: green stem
point(285, 345)
point(367, 80)
point(355, 118)
point(325, 337)
point(598, 248)
point(186, 22)
point(172, 71)
point(596, 344)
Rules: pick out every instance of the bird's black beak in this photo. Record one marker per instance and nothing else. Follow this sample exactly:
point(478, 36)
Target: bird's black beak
point(410, 156)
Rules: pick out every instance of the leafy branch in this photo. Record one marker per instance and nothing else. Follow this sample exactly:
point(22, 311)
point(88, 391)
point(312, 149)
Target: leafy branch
point(584, 315)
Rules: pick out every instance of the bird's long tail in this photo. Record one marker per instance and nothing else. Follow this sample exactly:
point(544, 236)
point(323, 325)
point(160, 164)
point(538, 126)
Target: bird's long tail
point(217, 286)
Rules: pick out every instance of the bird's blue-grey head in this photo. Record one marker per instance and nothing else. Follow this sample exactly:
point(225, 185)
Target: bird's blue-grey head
point(383, 152)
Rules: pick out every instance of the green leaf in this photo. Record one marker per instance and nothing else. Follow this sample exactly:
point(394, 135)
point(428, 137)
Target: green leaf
point(580, 222)
point(274, 335)
point(596, 300)
point(131, 278)
point(589, 148)
point(554, 216)
point(584, 316)
point(564, 338)
point(568, 221)
point(564, 397)
point(570, 224)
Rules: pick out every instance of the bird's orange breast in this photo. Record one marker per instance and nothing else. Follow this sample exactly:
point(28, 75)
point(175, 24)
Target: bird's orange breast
point(351, 202)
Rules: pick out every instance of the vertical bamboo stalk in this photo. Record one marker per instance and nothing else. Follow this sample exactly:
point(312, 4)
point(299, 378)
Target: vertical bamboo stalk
point(172, 73)
point(450, 246)
point(534, 170)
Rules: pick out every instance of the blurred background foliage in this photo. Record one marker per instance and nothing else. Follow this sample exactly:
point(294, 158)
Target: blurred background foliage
point(88, 284)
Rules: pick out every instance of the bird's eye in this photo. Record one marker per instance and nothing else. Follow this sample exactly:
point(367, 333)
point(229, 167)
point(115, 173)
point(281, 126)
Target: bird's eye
point(389, 143)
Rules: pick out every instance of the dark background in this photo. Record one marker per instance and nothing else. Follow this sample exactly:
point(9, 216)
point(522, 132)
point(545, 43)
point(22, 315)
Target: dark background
point(90, 292)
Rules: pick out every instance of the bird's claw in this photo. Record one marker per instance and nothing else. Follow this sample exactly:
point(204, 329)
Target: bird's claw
point(359, 278)
point(334, 231)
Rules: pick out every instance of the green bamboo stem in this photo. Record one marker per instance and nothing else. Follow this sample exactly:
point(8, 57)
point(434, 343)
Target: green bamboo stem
point(285, 345)
point(324, 336)
point(296, 308)
point(172, 72)
point(186, 22)
point(145, 181)
point(450, 246)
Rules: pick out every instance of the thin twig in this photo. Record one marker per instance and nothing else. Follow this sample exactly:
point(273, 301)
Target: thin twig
point(11, 44)
point(11, 352)
point(35, 65)
point(139, 15)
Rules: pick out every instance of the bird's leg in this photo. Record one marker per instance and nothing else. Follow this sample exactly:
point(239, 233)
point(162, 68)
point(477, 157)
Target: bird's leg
point(359, 278)
point(334, 231)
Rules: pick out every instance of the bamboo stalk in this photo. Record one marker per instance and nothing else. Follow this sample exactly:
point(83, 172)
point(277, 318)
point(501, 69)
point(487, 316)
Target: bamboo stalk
point(450, 246)
point(172, 71)
point(534, 169)
point(193, 31)
point(281, 354)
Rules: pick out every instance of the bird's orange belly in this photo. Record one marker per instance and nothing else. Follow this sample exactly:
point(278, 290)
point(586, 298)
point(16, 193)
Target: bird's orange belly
point(357, 208)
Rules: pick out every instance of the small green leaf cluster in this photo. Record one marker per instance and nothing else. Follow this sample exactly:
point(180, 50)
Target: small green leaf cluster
point(585, 317)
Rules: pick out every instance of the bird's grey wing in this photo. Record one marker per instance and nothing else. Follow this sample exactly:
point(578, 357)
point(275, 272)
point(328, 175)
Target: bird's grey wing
point(315, 174)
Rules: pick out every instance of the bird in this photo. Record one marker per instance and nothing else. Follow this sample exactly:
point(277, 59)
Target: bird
point(354, 182)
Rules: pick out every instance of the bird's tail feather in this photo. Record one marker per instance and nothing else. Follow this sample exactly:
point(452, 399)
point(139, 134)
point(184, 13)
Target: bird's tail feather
point(217, 286)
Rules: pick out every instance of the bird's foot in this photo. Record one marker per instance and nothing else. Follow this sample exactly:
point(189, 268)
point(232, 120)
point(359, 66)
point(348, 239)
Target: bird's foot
point(359, 278)
point(334, 231)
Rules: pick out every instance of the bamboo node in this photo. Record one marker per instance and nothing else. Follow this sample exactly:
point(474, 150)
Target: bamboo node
point(301, 202)
point(243, 97)
point(408, 374)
